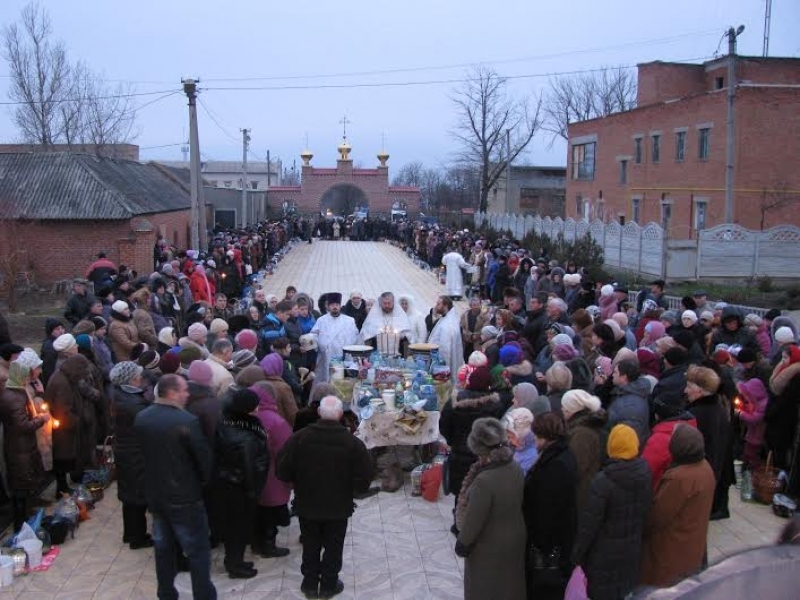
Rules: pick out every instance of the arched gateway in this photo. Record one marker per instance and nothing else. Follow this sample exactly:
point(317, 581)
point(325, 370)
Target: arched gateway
point(344, 190)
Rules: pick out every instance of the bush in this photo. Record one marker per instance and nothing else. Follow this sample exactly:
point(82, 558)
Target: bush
point(765, 284)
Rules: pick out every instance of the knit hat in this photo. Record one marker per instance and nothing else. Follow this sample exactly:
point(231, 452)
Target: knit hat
point(83, 341)
point(649, 363)
point(29, 359)
point(64, 342)
point(606, 290)
point(479, 380)
point(574, 401)
point(565, 352)
point(84, 326)
point(561, 338)
point(149, 359)
point(243, 402)
point(169, 363)
point(621, 318)
point(654, 330)
point(477, 359)
point(670, 316)
point(721, 356)
point(165, 336)
point(753, 320)
point(594, 311)
point(246, 339)
point(138, 350)
point(686, 445)
point(272, 364)
point(784, 335)
point(525, 393)
point(122, 372)
point(623, 443)
point(218, 326)
point(242, 359)
point(489, 332)
point(510, 355)
point(200, 372)
point(746, 355)
point(519, 421)
point(486, 435)
point(624, 354)
point(188, 354)
point(690, 315)
point(198, 332)
point(753, 390)
point(582, 319)
point(707, 315)
point(250, 375)
point(604, 363)
point(618, 333)
point(119, 306)
point(50, 324)
point(676, 356)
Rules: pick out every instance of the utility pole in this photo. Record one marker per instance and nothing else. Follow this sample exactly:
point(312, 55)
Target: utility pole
point(269, 177)
point(190, 89)
point(245, 145)
point(730, 141)
point(767, 25)
point(508, 170)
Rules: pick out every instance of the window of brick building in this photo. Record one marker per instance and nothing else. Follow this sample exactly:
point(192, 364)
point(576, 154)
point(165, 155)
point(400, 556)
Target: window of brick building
point(655, 155)
point(636, 209)
point(719, 83)
point(637, 150)
point(623, 172)
point(254, 185)
point(666, 215)
point(583, 161)
point(703, 140)
point(680, 146)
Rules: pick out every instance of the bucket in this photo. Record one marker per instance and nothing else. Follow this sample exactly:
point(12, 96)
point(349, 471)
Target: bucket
point(34, 550)
point(388, 398)
point(6, 571)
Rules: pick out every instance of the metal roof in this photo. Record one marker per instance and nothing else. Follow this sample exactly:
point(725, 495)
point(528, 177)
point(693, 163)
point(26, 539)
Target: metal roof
point(64, 186)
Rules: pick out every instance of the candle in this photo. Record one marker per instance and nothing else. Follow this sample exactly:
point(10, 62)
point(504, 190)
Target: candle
point(56, 423)
point(388, 341)
point(737, 402)
point(44, 407)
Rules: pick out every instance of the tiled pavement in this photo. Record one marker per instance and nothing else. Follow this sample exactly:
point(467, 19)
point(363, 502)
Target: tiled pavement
point(398, 546)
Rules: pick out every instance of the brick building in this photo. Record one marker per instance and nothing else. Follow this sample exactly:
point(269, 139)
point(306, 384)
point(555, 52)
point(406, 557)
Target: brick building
point(664, 161)
point(534, 190)
point(344, 189)
point(57, 210)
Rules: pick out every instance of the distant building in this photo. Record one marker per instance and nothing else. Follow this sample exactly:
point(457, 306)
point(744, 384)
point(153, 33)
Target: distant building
point(228, 173)
point(121, 151)
point(534, 190)
point(664, 161)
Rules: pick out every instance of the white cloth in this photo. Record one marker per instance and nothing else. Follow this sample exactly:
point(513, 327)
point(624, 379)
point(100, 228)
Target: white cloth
point(419, 331)
point(333, 334)
point(377, 320)
point(447, 335)
point(454, 262)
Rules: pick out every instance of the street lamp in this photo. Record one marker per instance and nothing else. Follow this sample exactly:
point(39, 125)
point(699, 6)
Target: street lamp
point(732, 34)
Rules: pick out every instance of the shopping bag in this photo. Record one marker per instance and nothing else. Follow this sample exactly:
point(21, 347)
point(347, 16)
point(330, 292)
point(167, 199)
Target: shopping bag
point(576, 587)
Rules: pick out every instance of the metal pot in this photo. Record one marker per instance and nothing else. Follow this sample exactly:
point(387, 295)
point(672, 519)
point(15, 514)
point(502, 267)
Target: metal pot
point(20, 561)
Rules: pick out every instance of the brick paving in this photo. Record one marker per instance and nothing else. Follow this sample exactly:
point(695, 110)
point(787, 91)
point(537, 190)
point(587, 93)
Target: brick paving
point(398, 546)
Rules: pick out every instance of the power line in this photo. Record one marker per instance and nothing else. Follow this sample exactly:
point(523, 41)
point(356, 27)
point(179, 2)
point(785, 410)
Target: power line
point(215, 121)
point(112, 97)
point(162, 146)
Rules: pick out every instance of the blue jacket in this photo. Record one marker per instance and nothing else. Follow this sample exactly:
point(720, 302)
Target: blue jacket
point(527, 454)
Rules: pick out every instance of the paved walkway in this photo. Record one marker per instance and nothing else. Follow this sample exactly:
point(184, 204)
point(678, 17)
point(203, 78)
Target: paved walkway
point(398, 546)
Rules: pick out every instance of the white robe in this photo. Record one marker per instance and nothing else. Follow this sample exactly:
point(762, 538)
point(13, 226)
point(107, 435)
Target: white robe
point(333, 334)
point(447, 335)
point(376, 320)
point(419, 331)
point(454, 262)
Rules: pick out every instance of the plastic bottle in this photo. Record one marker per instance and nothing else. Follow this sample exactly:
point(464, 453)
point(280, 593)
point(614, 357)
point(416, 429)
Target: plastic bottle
point(747, 487)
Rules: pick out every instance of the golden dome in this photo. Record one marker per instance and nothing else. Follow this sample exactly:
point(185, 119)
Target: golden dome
point(383, 156)
point(344, 149)
point(306, 155)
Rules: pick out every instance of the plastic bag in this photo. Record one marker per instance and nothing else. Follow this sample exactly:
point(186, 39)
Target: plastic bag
point(576, 587)
point(432, 482)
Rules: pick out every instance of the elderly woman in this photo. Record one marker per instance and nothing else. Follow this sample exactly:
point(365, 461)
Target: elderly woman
point(472, 322)
point(518, 422)
point(419, 331)
point(21, 420)
point(558, 379)
point(127, 402)
point(122, 331)
point(585, 431)
point(272, 365)
point(491, 529)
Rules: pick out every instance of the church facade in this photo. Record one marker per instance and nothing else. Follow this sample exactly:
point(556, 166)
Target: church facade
point(344, 190)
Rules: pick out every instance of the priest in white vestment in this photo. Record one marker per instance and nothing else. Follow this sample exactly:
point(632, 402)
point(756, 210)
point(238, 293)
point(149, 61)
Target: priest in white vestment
point(385, 317)
point(453, 263)
point(334, 331)
point(447, 335)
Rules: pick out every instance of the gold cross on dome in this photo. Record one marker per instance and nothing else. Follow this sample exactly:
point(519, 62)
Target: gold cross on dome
point(344, 123)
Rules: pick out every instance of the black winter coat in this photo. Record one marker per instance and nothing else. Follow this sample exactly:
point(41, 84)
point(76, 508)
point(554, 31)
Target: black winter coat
point(713, 421)
point(23, 461)
point(672, 386)
point(610, 527)
point(455, 424)
point(549, 505)
point(534, 329)
point(126, 403)
point(241, 453)
point(205, 406)
point(326, 464)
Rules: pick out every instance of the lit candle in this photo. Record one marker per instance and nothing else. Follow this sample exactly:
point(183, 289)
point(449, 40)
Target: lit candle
point(45, 407)
point(737, 402)
point(56, 423)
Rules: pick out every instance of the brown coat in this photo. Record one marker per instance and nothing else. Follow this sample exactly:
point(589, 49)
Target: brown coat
point(145, 327)
point(676, 529)
point(467, 336)
point(586, 440)
point(287, 406)
point(124, 336)
point(23, 460)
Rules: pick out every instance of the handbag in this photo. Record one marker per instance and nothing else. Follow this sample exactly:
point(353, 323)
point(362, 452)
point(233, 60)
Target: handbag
point(106, 471)
point(544, 568)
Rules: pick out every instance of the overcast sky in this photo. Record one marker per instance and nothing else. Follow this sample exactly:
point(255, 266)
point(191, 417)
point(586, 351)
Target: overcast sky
point(316, 43)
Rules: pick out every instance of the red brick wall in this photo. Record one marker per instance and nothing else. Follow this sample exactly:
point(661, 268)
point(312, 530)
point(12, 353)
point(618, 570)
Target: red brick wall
point(659, 81)
point(61, 250)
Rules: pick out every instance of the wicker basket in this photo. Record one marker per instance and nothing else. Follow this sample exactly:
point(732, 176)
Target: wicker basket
point(766, 482)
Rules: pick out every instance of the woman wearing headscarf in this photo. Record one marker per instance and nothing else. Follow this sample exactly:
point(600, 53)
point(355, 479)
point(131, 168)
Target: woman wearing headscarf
point(609, 540)
point(676, 529)
point(419, 331)
point(491, 528)
point(272, 365)
point(122, 331)
point(242, 463)
point(586, 421)
point(550, 525)
point(128, 399)
point(518, 423)
point(21, 420)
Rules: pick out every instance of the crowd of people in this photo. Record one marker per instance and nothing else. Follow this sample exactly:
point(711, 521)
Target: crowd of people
point(216, 391)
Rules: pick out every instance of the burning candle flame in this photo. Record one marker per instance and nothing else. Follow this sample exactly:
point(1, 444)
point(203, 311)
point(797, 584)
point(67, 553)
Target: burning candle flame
point(56, 423)
point(737, 402)
point(45, 407)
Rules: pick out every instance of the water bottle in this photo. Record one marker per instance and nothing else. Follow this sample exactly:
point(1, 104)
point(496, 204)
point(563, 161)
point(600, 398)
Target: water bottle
point(747, 487)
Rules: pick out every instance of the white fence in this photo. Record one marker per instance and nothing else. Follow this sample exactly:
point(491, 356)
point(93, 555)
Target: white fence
point(723, 252)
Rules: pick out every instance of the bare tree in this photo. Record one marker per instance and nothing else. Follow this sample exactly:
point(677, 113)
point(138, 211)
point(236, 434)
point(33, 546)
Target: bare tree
point(410, 174)
point(485, 113)
point(58, 101)
point(776, 198)
point(574, 98)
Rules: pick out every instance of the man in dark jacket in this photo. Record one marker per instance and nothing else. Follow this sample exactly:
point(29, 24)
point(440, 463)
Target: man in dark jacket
point(356, 308)
point(672, 385)
point(733, 332)
point(536, 323)
point(177, 463)
point(629, 403)
point(326, 465)
point(53, 328)
point(79, 303)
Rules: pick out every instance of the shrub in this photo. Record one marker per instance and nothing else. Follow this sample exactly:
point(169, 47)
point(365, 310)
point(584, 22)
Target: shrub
point(764, 284)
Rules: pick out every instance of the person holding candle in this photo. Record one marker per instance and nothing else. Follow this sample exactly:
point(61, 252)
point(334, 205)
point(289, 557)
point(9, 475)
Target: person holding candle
point(388, 319)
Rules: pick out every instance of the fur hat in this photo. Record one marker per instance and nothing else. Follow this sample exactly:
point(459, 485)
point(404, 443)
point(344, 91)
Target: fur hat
point(83, 341)
point(574, 401)
point(333, 298)
point(704, 378)
point(487, 434)
point(479, 379)
point(784, 335)
point(64, 342)
point(122, 372)
point(119, 306)
point(607, 290)
point(99, 323)
point(200, 372)
point(243, 402)
point(519, 421)
point(670, 316)
point(510, 355)
point(477, 359)
point(582, 319)
point(242, 359)
point(247, 339)
point(149, 359)
point(165, 336)
point(623, 443)
point(197, 333)
point(707, 315)
point(169, 363)
point(218, 326)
